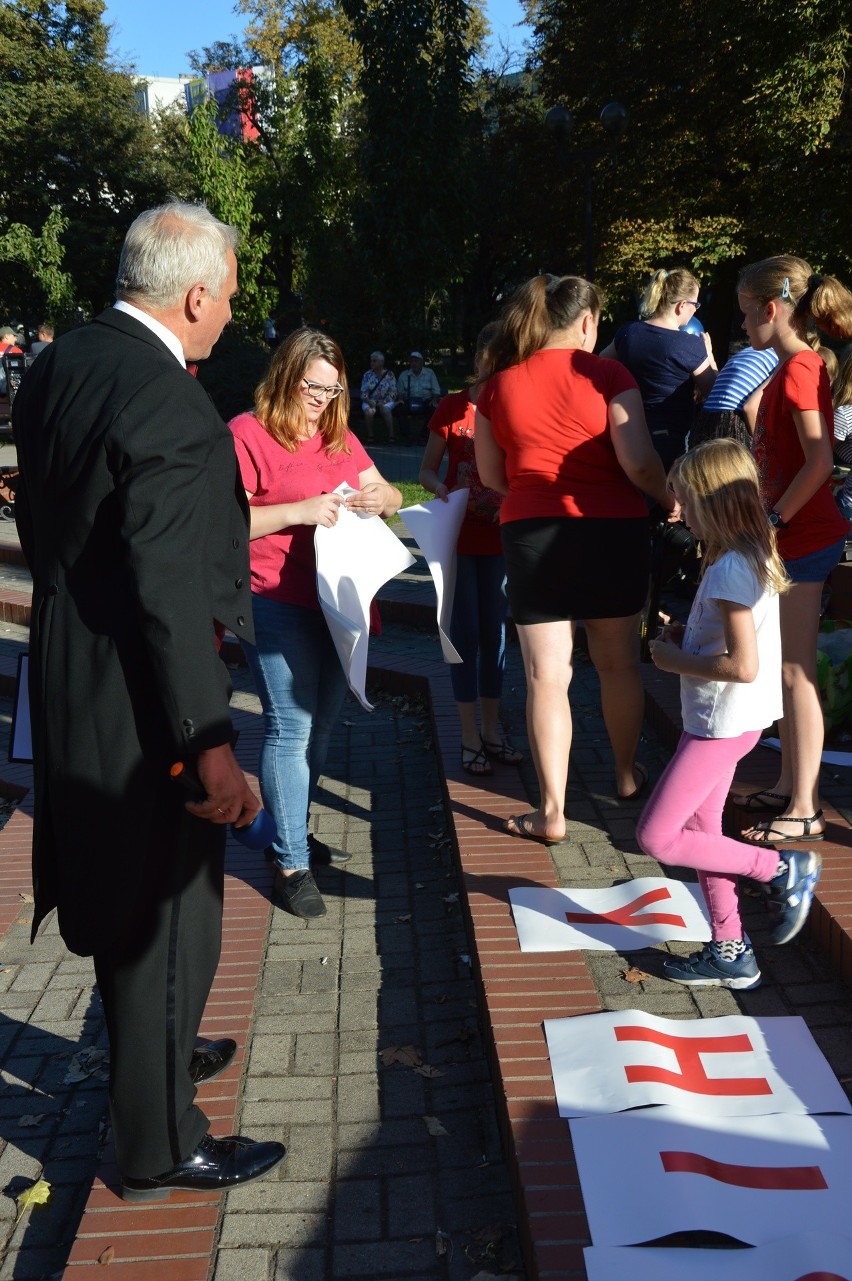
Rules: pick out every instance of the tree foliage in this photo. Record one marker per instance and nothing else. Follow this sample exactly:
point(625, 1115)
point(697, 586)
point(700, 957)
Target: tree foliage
point(72, 139)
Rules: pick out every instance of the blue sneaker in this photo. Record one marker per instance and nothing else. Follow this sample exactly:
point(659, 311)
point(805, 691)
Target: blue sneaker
point(791, 893)
point(708, 968)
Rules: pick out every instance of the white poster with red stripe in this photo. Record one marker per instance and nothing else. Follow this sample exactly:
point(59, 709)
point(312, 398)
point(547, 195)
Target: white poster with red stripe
point(645, 1175)
point(812, 1256)
point(622, 918)
point(730, 1066)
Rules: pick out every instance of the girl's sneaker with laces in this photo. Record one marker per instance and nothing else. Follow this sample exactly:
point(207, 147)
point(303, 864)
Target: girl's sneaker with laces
point(792, 892)
point(709, 968)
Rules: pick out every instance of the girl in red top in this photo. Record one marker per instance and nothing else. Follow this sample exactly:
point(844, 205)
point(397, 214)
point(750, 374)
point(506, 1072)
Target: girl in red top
point(561, 432)
point(478, 623)
point(782, 301)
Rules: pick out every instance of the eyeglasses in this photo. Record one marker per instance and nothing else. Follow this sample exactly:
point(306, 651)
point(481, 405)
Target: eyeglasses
point(317, 389)
point(693, 303)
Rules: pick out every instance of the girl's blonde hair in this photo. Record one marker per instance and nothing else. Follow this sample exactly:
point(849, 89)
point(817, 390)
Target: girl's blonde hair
point(723, 484)
point(841, 385)
point(278, 398)
point(815, 300)
point(534, 311)
point(664, 290)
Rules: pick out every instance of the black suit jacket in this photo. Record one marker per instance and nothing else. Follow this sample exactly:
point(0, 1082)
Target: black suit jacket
point(134, 523)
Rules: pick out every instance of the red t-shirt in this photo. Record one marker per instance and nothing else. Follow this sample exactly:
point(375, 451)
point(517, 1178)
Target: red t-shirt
point(283, 564)
point(453, 421)
point(549, 415)
point(799, 383)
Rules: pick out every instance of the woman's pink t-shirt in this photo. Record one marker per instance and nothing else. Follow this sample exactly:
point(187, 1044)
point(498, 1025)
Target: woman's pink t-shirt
point(283, 564)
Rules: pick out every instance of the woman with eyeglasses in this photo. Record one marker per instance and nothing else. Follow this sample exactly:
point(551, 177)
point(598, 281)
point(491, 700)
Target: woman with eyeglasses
point(666, 361)
point(294, 450)
point(561, 433)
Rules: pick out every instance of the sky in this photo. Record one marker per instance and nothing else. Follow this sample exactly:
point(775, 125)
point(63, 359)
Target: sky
point(156, 34)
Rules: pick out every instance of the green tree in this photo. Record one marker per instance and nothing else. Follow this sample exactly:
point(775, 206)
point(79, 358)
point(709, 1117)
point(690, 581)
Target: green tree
point(738, 144)
point(414, 131)
point(73, 138)
point(224, 183)
point(41, 258)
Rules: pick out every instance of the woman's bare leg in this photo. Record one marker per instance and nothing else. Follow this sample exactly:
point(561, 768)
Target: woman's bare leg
point(614, 650)
point(547, 651)
point(803, 728)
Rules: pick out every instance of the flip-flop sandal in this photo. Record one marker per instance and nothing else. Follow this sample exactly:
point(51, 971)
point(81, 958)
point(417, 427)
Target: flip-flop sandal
point(503, 752)
point(638, 768)
point(754, 802)
point(523, 830)
point(770, 835)
point(477, 762)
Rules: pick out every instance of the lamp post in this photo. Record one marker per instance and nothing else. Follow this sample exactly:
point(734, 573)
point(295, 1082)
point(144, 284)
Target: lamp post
point(562, 125)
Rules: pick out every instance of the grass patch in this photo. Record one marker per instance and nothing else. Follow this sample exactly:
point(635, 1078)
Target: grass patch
point(411, 493)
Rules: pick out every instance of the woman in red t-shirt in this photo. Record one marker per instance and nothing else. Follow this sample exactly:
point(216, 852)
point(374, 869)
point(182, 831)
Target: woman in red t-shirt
point(782, 300)
point(478, 622)
point(561, 432)
point(294, 451)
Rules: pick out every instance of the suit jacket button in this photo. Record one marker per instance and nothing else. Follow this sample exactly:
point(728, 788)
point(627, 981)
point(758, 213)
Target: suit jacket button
point(241, 622)
point(238, 582)
point(235, 542)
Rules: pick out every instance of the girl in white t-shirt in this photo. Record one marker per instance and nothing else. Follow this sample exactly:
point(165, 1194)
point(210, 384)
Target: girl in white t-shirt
point(729, 662)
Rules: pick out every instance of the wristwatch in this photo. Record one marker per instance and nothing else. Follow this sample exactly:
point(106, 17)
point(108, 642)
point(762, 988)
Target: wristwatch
point(775, 520)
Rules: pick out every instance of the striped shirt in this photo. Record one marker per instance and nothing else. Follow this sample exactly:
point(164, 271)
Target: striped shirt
point(738, 378)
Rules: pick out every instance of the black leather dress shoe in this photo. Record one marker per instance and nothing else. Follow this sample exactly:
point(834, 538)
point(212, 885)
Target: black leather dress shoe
point(210, 1060)
point(299, 894)
point(214, 1166)
point(323, 855)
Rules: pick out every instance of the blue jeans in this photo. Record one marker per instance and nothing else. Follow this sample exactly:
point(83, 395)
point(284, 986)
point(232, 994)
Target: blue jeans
point(478, 628)
point(301, 686)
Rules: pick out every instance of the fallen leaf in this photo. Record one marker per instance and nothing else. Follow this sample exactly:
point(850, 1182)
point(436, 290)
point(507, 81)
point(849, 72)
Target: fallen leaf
point(443, 1243)
point(451, 898)
point(404, 919)
point(26, 898)
point(348, 724)
point(419, 885)
point(107, 1255)
point(32, 1119)
point(434, 836)
point(38, 1194)
point(433, 1125)
point(635, 975)
point(428, 1071)
point(407, 1055)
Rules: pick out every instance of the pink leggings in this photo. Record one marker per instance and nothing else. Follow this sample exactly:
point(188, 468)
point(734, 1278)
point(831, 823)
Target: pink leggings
point(682, 825)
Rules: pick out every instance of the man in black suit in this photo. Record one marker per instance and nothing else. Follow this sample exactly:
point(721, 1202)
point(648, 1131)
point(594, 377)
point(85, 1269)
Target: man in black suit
point(134, 523)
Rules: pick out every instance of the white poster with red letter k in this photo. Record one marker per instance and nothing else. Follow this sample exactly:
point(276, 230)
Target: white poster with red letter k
point(622, 918)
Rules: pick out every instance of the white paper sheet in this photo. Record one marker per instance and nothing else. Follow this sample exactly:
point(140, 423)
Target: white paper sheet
point(355, 558)
point(645, 1175)
point(435, 526)
point(640, 914)
point(730, 1066)
point(811, 1256)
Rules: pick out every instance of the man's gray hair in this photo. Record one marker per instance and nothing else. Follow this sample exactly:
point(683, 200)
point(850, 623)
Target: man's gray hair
point(377, 355)
point(169, 249)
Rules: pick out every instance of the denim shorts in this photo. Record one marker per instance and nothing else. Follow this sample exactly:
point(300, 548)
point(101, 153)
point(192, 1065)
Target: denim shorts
point(815, 567)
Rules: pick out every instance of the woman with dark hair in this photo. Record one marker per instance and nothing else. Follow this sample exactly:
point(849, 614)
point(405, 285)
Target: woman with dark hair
point(294, 450)
point(562, 434)
point(478, 623)
point(666, 361)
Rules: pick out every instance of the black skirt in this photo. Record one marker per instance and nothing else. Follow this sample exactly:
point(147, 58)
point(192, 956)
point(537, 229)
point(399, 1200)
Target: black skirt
point(564, 567)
